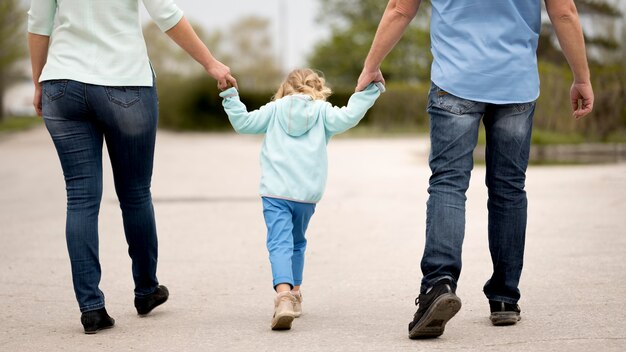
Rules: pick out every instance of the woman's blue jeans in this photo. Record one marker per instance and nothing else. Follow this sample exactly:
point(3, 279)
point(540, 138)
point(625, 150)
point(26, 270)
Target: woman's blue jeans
point(286, 222)
point(454, 124)
point(79, 118)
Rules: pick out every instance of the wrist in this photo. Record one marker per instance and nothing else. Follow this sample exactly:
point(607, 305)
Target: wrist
point(209, 63)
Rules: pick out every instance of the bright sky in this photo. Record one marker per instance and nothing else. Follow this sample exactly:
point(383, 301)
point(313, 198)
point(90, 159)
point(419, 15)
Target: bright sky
point(299, 20)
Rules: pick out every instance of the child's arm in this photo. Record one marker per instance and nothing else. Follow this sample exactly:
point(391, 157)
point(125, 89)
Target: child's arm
point(253, 122)
point(339, 120)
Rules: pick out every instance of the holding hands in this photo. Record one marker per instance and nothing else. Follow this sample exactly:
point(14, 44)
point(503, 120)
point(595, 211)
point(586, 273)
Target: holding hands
point(222, 75)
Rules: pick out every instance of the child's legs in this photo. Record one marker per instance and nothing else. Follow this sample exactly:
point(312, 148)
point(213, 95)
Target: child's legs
point(302, 213)
point(278, 219)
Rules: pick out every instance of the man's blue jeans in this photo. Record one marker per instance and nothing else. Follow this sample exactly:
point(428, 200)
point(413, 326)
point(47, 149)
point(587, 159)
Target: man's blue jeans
point(79, 117)
point(286, 222)
point(454, 124)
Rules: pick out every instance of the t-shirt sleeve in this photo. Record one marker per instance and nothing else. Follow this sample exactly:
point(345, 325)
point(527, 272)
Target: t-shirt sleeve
point(41, 16)
point(164, 12)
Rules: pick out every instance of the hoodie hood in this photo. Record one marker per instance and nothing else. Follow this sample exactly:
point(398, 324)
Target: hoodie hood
point(297, 114)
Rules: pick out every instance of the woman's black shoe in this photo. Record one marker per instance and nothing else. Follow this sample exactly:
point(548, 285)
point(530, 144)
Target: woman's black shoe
point(96, 320)
point(146, 304)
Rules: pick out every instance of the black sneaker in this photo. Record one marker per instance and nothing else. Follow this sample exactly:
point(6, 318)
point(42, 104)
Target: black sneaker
point(96, 320)
point(504, 313)
point(146, 304)
point(438, 305)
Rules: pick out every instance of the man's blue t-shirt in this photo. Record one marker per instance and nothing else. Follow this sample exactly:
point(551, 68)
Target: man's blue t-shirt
point(485, 50)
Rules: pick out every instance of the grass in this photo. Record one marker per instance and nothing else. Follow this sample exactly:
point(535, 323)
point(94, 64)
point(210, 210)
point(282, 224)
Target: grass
point(19, 123)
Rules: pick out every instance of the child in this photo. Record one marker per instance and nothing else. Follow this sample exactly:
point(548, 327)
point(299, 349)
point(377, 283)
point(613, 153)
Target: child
point(297, 123)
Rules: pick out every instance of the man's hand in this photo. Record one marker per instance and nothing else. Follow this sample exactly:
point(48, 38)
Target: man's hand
point(581, 95)
point(37, 99)
point(367, 77)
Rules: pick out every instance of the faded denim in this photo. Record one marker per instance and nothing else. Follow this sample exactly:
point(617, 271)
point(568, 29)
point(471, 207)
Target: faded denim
point(454, 124)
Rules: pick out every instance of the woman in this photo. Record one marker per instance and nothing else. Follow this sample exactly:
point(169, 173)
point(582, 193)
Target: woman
point(94, 83)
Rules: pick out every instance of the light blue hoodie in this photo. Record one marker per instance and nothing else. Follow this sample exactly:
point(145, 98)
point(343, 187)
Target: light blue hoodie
point(297, 129)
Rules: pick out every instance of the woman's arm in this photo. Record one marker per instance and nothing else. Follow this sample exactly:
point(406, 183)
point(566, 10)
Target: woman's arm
point(38, 46)
point(183, 34)
point(396, 19)
point(564, 18)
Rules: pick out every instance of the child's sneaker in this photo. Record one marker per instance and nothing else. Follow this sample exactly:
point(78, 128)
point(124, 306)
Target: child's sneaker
point(283, 311)
point(297, 307)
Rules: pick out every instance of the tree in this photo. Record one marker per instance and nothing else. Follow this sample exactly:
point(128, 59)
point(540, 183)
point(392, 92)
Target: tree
point(601, 20)
point(250, 54)
point(353, 25)
point(12, 45)
point(169, 58)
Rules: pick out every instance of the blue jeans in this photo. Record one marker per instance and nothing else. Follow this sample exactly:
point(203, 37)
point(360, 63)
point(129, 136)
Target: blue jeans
point(454, 124)
point(286, 222)
point(79, 117)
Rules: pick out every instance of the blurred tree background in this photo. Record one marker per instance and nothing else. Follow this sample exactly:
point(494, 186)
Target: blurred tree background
point(12, 47)
point(189, 98)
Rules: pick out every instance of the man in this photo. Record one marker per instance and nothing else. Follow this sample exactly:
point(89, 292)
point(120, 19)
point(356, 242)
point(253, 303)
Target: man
point(484, 67)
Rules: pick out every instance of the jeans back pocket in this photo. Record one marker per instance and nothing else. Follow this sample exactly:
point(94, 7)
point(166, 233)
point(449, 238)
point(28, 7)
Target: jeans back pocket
point(123, 96)
point(54, 89)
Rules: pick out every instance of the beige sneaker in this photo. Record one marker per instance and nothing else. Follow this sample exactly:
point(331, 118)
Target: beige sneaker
point(283, 311)
point(297, 307)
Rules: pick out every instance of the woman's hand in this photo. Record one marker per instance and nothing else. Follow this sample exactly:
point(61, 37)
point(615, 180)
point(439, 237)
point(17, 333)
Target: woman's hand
point(37, 99)
point(222, 75)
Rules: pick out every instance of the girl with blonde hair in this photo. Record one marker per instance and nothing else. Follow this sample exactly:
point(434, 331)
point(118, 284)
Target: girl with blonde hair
point(298, 124)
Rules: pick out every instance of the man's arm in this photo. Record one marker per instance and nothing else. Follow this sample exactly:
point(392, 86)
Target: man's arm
point(38, 46)
point(396, 19)
point(564, 18)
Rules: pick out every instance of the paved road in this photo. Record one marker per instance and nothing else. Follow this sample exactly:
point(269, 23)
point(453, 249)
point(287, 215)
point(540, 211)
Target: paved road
point(362, 270)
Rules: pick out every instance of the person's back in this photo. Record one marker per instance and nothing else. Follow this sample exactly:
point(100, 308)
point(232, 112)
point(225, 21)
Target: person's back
point(485, 50)
point(484, 71)
point(93, 83)
point(100, 42)
point(297, 124)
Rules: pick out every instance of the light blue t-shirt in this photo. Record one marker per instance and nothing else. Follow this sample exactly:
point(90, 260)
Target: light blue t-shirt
point(485, 50)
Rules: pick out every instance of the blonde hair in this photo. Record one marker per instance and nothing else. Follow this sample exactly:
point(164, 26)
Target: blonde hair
point(304, 81)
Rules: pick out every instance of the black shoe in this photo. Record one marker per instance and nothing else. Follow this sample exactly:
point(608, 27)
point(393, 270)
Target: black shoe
point(504, 313)
point(96, 320)
point(438, 305)
point(146, 304)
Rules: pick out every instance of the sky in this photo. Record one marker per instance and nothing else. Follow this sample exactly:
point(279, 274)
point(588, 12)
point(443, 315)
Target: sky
point(293, 45)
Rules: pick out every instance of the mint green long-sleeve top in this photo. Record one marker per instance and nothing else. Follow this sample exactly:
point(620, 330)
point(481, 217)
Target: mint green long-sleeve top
point(297, 129)
point(98, 41)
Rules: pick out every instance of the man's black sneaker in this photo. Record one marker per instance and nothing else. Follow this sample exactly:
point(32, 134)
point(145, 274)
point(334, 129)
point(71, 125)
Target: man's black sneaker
point(435, 307)
point(96, 320)
point(146, 304)
point(504, 313)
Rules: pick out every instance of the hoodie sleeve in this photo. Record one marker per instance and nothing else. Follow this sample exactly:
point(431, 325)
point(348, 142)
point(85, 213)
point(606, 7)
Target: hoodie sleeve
point(253, 122)
point(338, 120)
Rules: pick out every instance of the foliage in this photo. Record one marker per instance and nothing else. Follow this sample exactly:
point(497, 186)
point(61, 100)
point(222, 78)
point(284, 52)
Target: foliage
point(20, 123)
point(250, 54)
point(12, 46)
point(247, 50)
point(353, 25)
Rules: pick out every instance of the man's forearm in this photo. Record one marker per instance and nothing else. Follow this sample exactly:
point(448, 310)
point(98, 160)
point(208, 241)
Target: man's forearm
point(38, 47)
point(565, 21)
point(394, 22)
